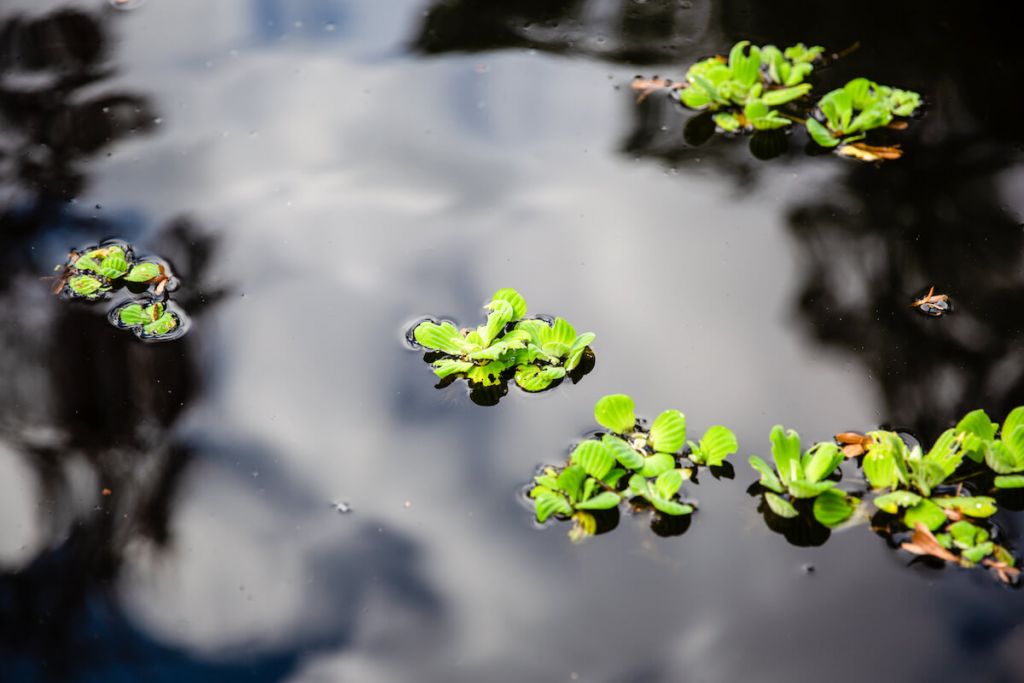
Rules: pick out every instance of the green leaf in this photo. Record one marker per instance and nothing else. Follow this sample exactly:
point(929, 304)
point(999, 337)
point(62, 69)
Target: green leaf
point(786, 453)
point(655, 464)
point(893, 501)
point(715, 446)
point(966, 535)
point(535, 378)
point(487, 375)
point(88, 264)
point(548, 504)
point(500, 314)
point(1014, 481)
point(514, 299)
point(143, 271)
point(1013, 422)
point(615, 413)
point(972, 506)
point(780, 506)
point(669, 507)
point(626, 455)
point(727, 121)
point(802, 488)
point(132, 315)
point(668, 432)
point(880, 464)
point(450, 366)
point(768, 478)
point(444, 337)
point(668, 482)
point(612, 478)
point(820, 134)
point(593, 457)
point(115, 264)
point(783, 95)
point(999, 458)
point(979, 552)
point(577, 350)
point(605, 500)
point(570, 481)
point(926, 512)
point(945, 453)
point(825, 458)
point(165, 324)
point(833, 507)
point(976, 424)
point(85, 285)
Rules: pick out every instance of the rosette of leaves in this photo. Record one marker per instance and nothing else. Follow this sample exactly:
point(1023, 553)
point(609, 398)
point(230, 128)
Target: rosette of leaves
point(916, 480)
point(586, 485)
point(95, 271)
point(649, 456)
point(799, 477)
point(539, 352)
point(744, 90)
point(1002, 450)
point(845, 115)
point(150, 320)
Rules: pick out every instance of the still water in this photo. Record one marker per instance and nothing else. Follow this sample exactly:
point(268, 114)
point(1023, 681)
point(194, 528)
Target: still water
point(321, 173)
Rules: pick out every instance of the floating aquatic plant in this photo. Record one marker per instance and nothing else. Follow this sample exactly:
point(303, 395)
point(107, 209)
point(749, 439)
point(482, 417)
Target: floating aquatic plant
point(91, 274)
point(627, 461)
point(803, 477)
point(763, 88)
point(535, 352)
point(847, 114)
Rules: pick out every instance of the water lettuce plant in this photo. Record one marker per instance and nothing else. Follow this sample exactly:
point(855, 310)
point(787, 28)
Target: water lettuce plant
point(627, 461)
point(746, 89)
point(92, 273)
point(844, 116)
point(763, 89)
point(535, 352)
point(804, 477)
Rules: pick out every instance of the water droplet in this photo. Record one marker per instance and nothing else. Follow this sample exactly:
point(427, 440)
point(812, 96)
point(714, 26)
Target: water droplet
point(341, 507)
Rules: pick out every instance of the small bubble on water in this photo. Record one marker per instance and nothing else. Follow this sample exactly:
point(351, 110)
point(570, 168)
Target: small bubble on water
point(341, 507)
point(807, 568)
point(158, 120)
point(330, 26)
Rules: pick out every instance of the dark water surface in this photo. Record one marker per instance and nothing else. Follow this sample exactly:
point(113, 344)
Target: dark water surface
point(323, 172)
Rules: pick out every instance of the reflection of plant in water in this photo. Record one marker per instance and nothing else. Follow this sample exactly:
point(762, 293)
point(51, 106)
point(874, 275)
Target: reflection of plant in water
point(93, 272)
point(595, 478)
point(850, 112)
point(537, 351)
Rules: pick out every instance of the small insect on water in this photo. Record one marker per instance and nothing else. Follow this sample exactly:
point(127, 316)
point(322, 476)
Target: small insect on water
point(933, 304)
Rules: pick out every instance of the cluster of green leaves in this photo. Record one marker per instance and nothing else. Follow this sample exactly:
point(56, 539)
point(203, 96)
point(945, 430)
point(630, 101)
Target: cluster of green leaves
point(918, 487)
point(96, 270)
point(150, 320)
point(538, 352)
point(803, 478)
point(1003, 454)
point(92, 273)
point(627, 462)
point(746, 90)
point(848, 113)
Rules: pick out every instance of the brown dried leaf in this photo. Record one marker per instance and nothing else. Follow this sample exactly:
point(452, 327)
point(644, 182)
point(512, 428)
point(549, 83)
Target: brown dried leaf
point(923, 542)
point(646, 86)
point(859, 150)
point(853, 443)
